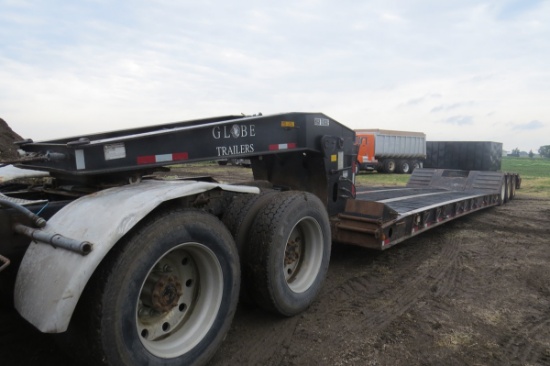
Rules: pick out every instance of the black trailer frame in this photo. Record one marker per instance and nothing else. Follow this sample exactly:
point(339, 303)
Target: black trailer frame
point(299, 151)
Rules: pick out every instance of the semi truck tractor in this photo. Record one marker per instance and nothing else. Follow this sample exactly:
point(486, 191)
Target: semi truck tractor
point(131, 268)
point(390, 151)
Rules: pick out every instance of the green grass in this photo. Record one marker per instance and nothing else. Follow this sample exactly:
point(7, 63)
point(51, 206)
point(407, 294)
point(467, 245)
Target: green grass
point(536, 167)
point(380, 179)
point(535, 175)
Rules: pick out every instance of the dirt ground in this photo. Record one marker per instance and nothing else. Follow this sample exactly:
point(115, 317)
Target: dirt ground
point(475, 291)
point(7, 136)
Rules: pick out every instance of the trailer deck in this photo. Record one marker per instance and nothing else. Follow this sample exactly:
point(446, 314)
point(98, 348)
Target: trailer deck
point(380, 217)
point(409, 200)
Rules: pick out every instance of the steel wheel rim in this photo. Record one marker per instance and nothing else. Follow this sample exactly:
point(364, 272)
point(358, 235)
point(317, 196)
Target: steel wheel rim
point(303, 255)
point(174, 332)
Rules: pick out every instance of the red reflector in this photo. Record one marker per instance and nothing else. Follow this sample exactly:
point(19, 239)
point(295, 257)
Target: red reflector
point(162, 158)
point(146, 159)
point(275, 147)
point(180, 156)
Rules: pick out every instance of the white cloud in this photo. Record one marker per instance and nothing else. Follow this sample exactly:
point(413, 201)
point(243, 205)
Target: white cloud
point(531, 125)
point(459, 120)
point(451, 107)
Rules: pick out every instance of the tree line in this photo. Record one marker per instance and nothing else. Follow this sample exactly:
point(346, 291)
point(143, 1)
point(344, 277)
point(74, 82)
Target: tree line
point(544, 151)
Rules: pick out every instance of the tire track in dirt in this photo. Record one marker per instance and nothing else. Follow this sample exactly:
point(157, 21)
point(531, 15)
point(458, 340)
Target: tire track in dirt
point(526, 347)
point(536, 224)
point(529, 343)
point(441, 276)
point(261, 342)
point(452, 275)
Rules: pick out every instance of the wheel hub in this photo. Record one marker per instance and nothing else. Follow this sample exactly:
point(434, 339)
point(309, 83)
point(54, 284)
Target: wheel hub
point(165, 294)
point(293, 253)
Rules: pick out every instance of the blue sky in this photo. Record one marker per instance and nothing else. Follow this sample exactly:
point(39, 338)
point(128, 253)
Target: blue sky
point(456, 70)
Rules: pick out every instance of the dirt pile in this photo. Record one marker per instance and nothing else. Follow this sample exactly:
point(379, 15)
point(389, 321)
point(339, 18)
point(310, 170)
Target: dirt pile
point(7, 137)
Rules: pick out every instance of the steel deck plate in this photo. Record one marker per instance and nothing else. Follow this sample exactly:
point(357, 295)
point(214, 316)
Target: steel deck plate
point(405, 200)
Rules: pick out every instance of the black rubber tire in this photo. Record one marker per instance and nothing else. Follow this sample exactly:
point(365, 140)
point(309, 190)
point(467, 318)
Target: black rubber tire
point(240, 214)
point(358, 167)
point(414, 165)
point(513, 186)
point(107, 317)
point(403, 167)
point(504, 188)
point(508, 183)
point(389, 166)
point(238, 218)
point(288, 218)
point(222, 162)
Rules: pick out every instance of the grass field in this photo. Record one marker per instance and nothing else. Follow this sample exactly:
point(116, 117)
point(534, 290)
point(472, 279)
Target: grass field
point(380, 179)
point(535, 175)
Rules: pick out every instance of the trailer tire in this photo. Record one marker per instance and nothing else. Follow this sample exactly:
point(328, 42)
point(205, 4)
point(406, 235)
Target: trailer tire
point(238, 218)
point(503, 198)
point(289, 251)
point(414, 165)
point(513, 185)
point(389, 166)
point(166, 295)
point(403, 167)
point(508, 180)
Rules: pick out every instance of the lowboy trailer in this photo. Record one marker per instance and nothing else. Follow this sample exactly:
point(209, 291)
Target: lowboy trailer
point(136, 270)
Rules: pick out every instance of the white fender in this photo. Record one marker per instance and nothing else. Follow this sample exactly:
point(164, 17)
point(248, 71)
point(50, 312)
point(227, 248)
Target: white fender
point(50, 281)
